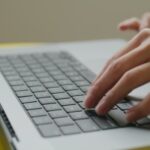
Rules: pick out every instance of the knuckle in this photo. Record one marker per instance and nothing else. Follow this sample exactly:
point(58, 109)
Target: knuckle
point(109, 94)
point(116, 66)
point(129, 77)
point(145, 32)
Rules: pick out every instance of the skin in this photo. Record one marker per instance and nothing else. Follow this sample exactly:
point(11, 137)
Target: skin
point(127, 69)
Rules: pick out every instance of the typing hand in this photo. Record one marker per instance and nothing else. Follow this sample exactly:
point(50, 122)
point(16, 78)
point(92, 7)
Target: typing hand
point(135, 23)
point(126, 70)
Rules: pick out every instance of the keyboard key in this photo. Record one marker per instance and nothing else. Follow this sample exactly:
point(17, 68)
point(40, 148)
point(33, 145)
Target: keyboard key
point(49, 130)
point(71, 74)
point(90, 76)
point(51, 85)
point(13, 78)
point(51, 68)
point(118, 116)
point(10, 73)
point(37, 112)
point(72, 108)
point(61, 96)
point(56, 90)
point(55, 72)
point(29, 78)
point(124, 106)
point(19, 88)
point(79, 99)
point(38, 70)
point(25, 69)
point(23, 93)
point(37, 89)
point(49, 100)
point(14, 83)
point(87, 125)
point(84, 88)
point(65, 102)
point(75, 93)
point(42, 120)
point(51, 107)
point(82, 83)
point(64, 121)
point(60, 77)
point(79, 115)
point(47, 79)
point(34, 105)
point(33, 83)
point(70, 87)
point(104, 122)
point(29, 99)
point(25, 74)
point(58, 114)
point(143, 121)
point(42, 94)
point(81, 104)
point(76, 78)
point(64, 82)
point(42, 75)
point(67, 69)
point(72, 129)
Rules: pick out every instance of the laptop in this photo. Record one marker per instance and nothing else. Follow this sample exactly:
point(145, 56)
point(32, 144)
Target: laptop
point(41, 105)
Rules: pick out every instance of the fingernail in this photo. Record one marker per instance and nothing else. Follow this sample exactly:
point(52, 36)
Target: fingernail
point(123, 27)
point(100, 108)
point(87, 100)
point(130, 116)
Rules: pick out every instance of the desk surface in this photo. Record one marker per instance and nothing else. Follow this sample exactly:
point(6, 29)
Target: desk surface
point(3, 140)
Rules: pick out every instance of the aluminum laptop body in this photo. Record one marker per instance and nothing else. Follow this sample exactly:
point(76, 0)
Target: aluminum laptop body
point(22, 133)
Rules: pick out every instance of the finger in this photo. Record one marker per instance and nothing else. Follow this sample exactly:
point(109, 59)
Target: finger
point(145, 21)
point(135, 42)
point(129, 81)
point(130, 24)
point(113, 73)
point(139, 111)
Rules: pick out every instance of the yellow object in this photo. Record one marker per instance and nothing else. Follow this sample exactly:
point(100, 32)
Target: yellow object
point(11, 45)
point(3, 141)
point(142, 148)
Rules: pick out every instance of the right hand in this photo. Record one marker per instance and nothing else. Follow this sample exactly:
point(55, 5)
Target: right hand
point(126, 70)
point(135, 23)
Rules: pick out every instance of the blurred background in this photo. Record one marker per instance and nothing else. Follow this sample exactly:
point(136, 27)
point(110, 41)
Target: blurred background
point(66, 20)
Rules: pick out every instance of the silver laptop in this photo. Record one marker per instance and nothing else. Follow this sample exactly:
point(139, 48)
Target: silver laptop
point(41, 106)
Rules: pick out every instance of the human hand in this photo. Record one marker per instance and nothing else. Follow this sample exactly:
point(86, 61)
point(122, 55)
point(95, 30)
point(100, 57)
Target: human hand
point(135, 23)
point(126, 70)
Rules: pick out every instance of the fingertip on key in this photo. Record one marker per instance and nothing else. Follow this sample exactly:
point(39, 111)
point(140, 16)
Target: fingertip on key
point(100, 110)
point(87, 102)
point(130, 117)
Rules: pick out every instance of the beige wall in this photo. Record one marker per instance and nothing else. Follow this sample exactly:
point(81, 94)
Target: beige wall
point(65, 20)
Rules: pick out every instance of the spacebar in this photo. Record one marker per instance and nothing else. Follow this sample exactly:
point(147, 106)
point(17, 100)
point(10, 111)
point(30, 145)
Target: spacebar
point(118, 116)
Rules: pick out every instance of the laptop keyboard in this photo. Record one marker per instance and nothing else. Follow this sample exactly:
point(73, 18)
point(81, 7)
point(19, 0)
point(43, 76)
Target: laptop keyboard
point(51, 88)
